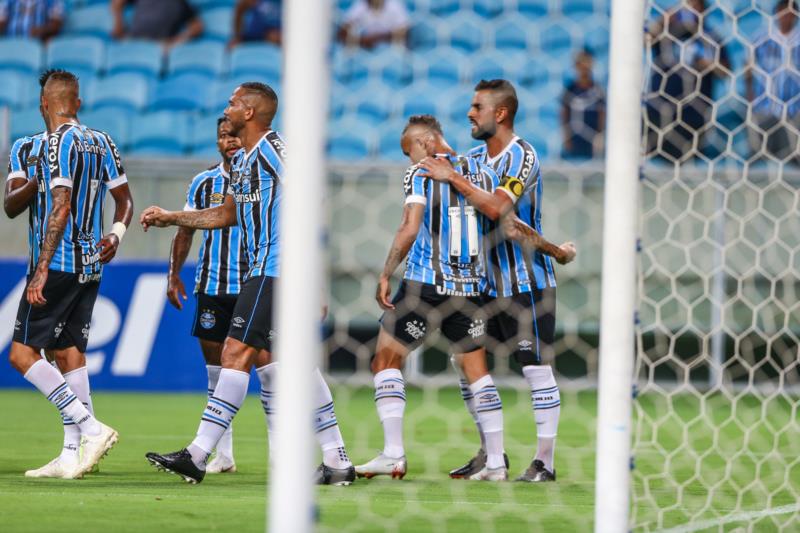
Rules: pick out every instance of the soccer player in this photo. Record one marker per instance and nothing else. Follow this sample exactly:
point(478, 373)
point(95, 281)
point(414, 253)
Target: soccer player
point(254, 201)
point(523, 284)
point(63, 177)
point(221, 266)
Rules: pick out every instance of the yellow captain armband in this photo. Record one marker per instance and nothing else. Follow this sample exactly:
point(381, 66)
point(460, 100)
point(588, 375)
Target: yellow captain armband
point(513, 186)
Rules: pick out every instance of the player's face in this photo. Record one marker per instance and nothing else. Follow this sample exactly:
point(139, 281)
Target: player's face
point(227, 143)
point(236, 111)
point(482, 116)
point(414, 147)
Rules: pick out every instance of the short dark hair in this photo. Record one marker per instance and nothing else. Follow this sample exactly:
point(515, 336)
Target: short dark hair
point(220, 120)
point(427, 121)
point(506, 92)
point(784, 4)
point(261, 89)
point(57, 74)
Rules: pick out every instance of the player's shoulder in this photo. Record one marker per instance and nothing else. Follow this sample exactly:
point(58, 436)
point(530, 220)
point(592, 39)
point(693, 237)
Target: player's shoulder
point(210, 173)
point(21, 143)
point(409, 176)
point(477, 151)
point(273, 143)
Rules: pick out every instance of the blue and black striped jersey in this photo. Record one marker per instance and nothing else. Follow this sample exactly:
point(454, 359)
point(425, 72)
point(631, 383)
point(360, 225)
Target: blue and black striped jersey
point(22, 16)
point(222, 261)
point(510, 270)
point(28, 160)
point(87, 161)
point(256, 188)
point(449, 246)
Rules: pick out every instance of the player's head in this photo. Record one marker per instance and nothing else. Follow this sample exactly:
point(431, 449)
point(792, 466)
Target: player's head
point(422, 137)
point(494, 106)
point(786, 12)
point(254, 102)
point(227, 143)
point(584, 60)
point(58, 94)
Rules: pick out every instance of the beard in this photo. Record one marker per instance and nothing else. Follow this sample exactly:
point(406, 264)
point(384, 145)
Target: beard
point(481, 133)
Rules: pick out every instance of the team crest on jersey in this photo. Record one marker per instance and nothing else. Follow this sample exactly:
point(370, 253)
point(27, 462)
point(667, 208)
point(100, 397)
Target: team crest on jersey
point(207, 319)
point(416, 329)
point(32, 160)
point(216, 198)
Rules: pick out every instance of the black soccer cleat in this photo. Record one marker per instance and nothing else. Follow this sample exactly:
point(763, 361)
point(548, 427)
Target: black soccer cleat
point(537, 473)
point(179, 463)
point(325, 475)
point(473, 466)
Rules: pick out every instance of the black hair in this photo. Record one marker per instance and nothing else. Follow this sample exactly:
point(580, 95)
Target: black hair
point(427, 121)
point(262, 89)
point(506, 92)
point(57, 74)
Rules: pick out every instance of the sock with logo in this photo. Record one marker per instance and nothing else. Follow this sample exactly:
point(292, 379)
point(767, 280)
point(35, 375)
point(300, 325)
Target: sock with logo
point(466, 395)
point(546, 401)
point(390, 400)
point(489, 409)
point(267, 375)
point(326, 426)
point(225, 444)
point(78, 381)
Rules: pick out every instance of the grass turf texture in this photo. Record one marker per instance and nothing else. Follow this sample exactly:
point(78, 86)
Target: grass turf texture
point(129, 495)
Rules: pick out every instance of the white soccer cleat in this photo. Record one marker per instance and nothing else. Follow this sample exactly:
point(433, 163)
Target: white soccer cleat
point(221, 464)
point(95, 448)
point(56, 469)
point(383, 466)
point(491, 474)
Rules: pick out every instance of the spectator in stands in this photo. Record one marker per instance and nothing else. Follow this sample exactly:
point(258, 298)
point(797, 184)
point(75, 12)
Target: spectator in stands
point(583, 111)
point(688, 58)
point(256, 20)
point(39, 19)
point(171, 22)
point(773, 86)
point(370, 22)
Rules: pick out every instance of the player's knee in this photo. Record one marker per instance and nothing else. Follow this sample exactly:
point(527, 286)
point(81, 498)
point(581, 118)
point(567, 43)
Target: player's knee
point(236, 355)
point(22, 357)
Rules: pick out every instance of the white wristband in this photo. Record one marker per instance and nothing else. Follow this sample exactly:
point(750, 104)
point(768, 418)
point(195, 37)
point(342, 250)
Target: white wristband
point(118, 229)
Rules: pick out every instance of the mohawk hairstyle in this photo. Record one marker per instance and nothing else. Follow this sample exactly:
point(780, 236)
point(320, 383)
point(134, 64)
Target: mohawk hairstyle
point(506, 92)
point(427, 121)
point(57, 74)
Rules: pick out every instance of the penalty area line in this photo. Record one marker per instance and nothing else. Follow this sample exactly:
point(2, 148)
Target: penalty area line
point(740, 517)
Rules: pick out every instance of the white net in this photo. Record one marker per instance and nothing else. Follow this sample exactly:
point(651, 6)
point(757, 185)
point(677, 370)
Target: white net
point(716, 411)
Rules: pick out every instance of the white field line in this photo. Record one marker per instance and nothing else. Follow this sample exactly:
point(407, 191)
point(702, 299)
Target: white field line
point(739, 517)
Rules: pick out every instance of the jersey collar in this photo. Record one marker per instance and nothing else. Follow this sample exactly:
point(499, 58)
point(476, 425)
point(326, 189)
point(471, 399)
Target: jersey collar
point(495, 159)
point(255, 147)
point(222, 170)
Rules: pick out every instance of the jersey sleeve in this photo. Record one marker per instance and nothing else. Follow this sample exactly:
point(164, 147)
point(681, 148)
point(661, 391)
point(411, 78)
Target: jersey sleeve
point(414, 187)
point(521, 172)
point(16, 161)
point(60, 156)
point(194, 194)
point(115, 173)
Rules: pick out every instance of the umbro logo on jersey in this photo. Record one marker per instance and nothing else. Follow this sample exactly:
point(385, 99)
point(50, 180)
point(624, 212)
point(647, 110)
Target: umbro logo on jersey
point(237, 322)
point(525, 345)
point(32, 160)
point(416, 329)
point(216, 198)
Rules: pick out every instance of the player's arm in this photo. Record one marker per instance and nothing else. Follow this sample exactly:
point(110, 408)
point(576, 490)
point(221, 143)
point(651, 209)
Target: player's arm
point(123, 213)
point(19, 193)
point(515, 229)
point(211, 218)
point(403, 239)
point(493, 205)
point(178, 252)
point(53, 233)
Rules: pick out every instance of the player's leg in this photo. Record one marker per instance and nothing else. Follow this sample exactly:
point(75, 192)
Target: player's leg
point(545, 395)
point(72, 365)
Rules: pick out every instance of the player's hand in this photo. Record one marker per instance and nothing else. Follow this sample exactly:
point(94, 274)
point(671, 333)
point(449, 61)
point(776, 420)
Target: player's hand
point(108, 247)
point(154, 216)
point(569, 252)
point(35, 287)
point(383, 294)
point(436, 169)
point(176, 291)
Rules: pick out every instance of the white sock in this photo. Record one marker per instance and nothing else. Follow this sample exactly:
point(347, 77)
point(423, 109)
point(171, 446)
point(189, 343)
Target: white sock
point(72, 442)
point(469, 402)
point(78, 381)
point(51, 383)
point(390, 400)
point(228, 396)
point(267, 375)
point(489, 409)
point(326, 426)
point(546, 401)
point(225, 444)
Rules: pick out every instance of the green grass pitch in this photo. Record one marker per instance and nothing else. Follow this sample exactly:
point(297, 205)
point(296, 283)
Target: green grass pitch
point(129, 495)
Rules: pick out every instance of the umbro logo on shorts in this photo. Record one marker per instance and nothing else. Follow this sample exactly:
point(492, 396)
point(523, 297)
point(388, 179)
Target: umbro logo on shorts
point(237, 322)
point(525, 345)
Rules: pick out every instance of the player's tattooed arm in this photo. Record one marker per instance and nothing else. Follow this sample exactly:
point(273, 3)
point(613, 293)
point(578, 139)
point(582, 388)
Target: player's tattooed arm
point(515, 229)
point(493, 205)
point(123, 213)
point(212, 218)
point(53, 233)
point(179, 251)
point(19, 193)
point(403, 239)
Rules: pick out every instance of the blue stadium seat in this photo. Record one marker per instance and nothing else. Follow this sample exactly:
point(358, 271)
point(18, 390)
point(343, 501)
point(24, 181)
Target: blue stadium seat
point(420, 99)
point(11, 90)
point(220, 91)
point(555, 36)
point(443, 66)
point(204, 135)
point(535, 73)
point(160, 133)
point(198, 57)
point(391, 64)
point(424, 35)
point(444, 7)
point(25, 122)
point(488, 8)
point(388, 135)
point(533, 8)
point(92, 21)
point(373, 103)
point(257, 59)
point(135, 56)
point(457, 102)
point(81, 55)
point(115, 124)
point(751, 24)
point(596, 35)
point(351, 66)
point(494, 64)
point(128, 91)
point(466, 31)
point(217, 23)
point(348, 139)
point(182, 92)
point(577, 9)
point(24, 55)
point(511, 33)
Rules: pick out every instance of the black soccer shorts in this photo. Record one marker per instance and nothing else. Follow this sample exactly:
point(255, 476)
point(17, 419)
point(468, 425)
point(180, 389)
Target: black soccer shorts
point(522, 325)
point(252, 314)
point(421, 308)
point(212, 317)
point(65, 319)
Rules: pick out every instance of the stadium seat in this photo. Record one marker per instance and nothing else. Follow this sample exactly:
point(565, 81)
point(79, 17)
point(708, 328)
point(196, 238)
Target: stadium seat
point(372, 103)
point(217, 23)
point(424, 35)
point(488, 8)
point(596, 35)
point(160, 133)
point(11, 90)
point(466, 32)
point(220, 91)
point(134, 56)
point(127, 90)
point(204, 135)
point(494, 64)
point(392, 64)
point(577, 9)
point(388, 135)
point(198, 57)
point(23, 55)
point(535, 73)
point(555, 36)
point(348, 139)
point(533, 8)
point(81, 55)
point(751, 24)
point(443, 66)
point(420, 99)
point(351, 66)
point(456, 104)
point(25, 122)
point(115, 124)
point(256, 59)
point(91, 21)
point(444, 7)
point(510, 33)
point(182, 92)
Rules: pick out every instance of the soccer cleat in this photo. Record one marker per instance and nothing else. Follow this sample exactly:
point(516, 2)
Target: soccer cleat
point(473, 466)
point(326, 475)
point(56, 469)
point(221, 464)
point(491, 474)
point(383, 466)
point(537, 473)
point(179, 463)
point(94, 448)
